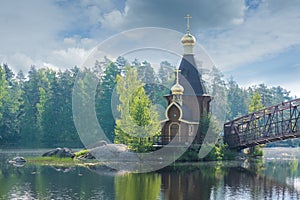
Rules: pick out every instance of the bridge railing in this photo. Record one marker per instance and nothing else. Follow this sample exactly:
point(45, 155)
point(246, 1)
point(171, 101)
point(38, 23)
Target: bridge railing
point(271, 124)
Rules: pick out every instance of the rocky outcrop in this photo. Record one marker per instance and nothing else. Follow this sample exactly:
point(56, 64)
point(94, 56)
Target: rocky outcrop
point(18, 161)
point(103, 151)
point(97, 144)
point(60, 152)
point(114, 152)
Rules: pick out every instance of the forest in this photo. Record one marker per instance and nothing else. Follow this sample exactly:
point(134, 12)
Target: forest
point(36, 106)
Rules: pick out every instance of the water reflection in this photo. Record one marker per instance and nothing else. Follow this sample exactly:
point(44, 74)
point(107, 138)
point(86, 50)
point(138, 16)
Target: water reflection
point(46, 182)
point(190, 181)
point(262, 179)
point(220, 181)
point(242, 183)
point(138, 186)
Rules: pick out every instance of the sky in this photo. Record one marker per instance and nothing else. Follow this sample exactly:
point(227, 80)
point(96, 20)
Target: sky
point(254, 41)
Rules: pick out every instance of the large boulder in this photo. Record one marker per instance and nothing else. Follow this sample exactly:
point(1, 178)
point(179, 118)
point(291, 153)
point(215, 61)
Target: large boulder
point(114, 152)
point(97, 144)
point(60, 152)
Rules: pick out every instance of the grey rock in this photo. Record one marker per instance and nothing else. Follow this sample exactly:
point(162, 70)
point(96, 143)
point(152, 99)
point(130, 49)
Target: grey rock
point(18, 161)
point(60, 152)
point(98, 144)
point(114, 152)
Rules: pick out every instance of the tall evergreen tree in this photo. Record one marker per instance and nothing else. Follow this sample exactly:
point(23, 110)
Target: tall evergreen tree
point(146, 75)
point(166, 73)
point(9, 108)
point(49, 117)
point(165, 78)
point(104, 100)
point(3, 89)
point(3, 93)
point(218, 91)
point(236, 100)
point(57, 119)
point(36, 92)
point(9, 75)
point(68, 131)
point(265, 93)
point(279, 95)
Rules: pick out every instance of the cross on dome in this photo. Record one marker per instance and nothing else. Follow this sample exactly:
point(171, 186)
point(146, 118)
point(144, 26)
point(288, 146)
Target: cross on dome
point(188, 17)
point(177, 75)
point(188, 40)
point(177, 88)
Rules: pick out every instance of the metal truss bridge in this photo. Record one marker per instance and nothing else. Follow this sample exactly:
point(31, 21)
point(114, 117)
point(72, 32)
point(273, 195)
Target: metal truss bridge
point(276, 123)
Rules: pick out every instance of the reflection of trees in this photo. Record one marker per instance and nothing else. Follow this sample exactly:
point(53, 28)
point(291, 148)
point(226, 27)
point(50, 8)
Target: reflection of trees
point(280, 170)
point(137, 186)
point(190, 182)
point(209, 181)
point(43, 182)
point(250, 184)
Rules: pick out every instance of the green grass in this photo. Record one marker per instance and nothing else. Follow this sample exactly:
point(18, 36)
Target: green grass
point(52, 161)
point(65, 162)
point(80, 153)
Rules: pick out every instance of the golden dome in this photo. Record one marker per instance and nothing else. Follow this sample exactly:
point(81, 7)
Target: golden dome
point(177, 89)
point(188, 39)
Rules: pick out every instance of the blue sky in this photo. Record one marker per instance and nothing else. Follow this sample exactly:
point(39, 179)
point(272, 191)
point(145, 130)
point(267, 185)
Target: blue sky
point(255, 41)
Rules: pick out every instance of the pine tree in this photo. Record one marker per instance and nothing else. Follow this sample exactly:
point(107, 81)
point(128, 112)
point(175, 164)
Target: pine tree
point(9, 108)
point(236, 100)
point(3, 90)
point(104, 98)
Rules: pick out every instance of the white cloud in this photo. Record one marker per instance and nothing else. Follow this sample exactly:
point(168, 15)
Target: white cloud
point(27, 25)
point(70, 57)
point(114, 19)
point(79, 42)
point(33, 33)
point(28, 30)
point(19, 61)
point(266, 32)
point(57, 59)
point(70, 41)
point(170, 13)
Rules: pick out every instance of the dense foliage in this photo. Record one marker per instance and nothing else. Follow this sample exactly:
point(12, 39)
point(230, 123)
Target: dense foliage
point(138, 123)
point(36, 110)
point(36, 107)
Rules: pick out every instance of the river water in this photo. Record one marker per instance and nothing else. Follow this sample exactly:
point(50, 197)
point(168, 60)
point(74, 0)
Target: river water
point(276, 176)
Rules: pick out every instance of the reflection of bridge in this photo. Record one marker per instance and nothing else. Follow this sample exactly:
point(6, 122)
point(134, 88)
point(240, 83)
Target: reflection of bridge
point(279, 122)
